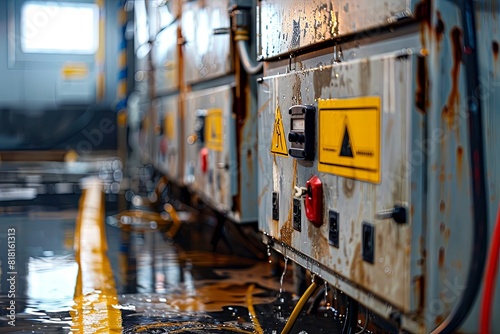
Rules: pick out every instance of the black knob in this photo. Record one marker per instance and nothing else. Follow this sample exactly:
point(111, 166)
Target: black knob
point(399, 214)
point(296, 137)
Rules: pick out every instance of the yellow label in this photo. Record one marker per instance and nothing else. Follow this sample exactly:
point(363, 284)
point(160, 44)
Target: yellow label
point(349, 138)
point(169, 125)
point(214, 129)
point(278, 144)
point(74, 71)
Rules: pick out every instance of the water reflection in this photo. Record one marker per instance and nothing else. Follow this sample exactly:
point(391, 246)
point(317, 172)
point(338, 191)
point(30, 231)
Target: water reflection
point(159, 286)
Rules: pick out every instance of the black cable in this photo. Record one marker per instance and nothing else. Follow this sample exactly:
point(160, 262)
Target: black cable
point(351, 318)
point(480, 210)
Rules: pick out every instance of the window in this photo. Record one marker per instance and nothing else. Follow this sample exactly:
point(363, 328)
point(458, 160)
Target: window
point(58, 27)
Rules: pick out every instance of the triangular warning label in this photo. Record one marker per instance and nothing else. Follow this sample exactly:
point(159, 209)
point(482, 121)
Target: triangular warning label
point(278, 144)
point(346, 148)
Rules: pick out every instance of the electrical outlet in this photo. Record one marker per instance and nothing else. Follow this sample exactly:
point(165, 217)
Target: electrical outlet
point(333, 225)
point(368, 242)
point(276, 206)
point(297, 214)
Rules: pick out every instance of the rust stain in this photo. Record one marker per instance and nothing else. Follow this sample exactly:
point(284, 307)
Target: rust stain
point(449, 112)
point(264, 106)
point(442, 206)
point(494, 47)
point(422, 92)
point(297, 94)
point(286, 230)
point(321, 248)
point(460, 156)
point(457, 264)
point(262, 193)
point(321, 79)
point(423, 12)
point(348, 187)
point(442, 227)
point(442, 177)
point(364, 77)
point(441, 257)
point(357, 270)
point(439, 319)
point(447, 234)
point(419, 291)
point(261, 164)
point(439, 28)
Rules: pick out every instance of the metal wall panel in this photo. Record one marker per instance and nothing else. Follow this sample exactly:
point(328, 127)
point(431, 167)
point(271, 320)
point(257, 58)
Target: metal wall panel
point(450, 193)
point(288, 25)
point(390, 79)
point(228, 182)
point(217, 183)
point(166, 60)
point(206, 53)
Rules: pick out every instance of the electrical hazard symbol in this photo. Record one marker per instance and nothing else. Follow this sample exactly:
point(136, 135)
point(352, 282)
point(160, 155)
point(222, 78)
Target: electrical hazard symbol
point(349, 138)
point(214, 129)
point(346, 147)
point(278, 143)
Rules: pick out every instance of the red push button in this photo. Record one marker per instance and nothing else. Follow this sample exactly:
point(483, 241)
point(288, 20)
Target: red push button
point(314, 201)
point(204, 160)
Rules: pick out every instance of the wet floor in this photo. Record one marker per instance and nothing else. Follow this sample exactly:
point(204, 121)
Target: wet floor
point(128, 273)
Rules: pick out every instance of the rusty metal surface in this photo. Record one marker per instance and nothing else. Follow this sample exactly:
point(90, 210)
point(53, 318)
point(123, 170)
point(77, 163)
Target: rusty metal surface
point(287, 25)
point(207, 54)
point(449, 176)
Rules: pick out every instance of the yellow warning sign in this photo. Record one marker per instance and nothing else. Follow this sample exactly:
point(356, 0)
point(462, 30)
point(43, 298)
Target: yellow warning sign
point(278, 144)
point(169, 125)
point(213, 129)
point(349, 138)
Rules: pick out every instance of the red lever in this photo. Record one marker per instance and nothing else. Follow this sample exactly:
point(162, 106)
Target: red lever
point(204, 160)
point(314, 201)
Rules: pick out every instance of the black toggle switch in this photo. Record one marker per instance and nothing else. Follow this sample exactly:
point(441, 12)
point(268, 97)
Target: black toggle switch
point(302, 133)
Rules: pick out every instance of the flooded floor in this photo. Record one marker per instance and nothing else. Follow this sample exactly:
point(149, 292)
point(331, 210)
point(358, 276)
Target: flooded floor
point(65, 270)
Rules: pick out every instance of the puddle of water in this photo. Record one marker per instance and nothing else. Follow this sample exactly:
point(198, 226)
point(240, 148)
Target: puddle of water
point(175, 290)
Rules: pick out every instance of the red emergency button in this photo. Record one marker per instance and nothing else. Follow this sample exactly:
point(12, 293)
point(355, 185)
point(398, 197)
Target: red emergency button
point(204, 159)
point(314, 201)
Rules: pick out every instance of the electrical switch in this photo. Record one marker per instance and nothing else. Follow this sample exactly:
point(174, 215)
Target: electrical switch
point(204, 160)
point(302, 133)
point(314, 201)
point(199, 125)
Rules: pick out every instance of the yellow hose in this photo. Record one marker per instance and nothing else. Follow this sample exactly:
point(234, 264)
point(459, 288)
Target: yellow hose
point(298, 308)
point(251, 311)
